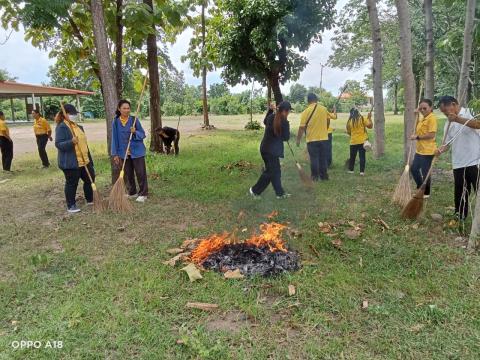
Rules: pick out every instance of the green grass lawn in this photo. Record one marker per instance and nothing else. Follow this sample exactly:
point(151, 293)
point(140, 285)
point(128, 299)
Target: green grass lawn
point(97, 282)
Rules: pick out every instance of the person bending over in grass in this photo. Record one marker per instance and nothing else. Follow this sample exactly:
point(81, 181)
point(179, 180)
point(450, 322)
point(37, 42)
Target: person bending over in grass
point(465, 145)
point(357, 127)
point(43, 133)
point(169, 135)
point(277, 130)
point(425, 134)
point(73, 157)
point(123, 125)
point(6, 144)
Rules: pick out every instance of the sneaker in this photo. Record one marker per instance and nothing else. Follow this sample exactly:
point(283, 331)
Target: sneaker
point(90, 203)
point(362, 174)
point(134, 196)
point(255, 196)
point(426, 196)
point(284, 196)
point(141, 199)
point(73, 209)
point(351, 172)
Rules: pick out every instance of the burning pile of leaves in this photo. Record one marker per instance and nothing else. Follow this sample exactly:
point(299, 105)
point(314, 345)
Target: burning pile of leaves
point(241, 165)
point(262, 254)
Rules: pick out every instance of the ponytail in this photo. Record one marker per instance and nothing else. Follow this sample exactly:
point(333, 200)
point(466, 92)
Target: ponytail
point(277, 124)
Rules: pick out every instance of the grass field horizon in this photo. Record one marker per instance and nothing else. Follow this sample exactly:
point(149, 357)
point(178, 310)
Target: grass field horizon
point(98, 283)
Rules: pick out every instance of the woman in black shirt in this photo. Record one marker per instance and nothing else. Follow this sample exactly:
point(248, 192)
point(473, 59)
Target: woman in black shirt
point(277, 130)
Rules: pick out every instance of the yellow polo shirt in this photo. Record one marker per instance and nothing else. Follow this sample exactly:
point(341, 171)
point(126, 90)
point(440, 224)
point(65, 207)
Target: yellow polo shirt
point(358, 130)
point(425, 126)
point(81, 149)
point(4, 129)
point(331, 116)
point(317, 129)
point(41, 126)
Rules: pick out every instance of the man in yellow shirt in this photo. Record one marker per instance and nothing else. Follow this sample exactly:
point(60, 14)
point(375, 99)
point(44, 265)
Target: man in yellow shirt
point(43, 133)
point(314, 122)
point(6, 144)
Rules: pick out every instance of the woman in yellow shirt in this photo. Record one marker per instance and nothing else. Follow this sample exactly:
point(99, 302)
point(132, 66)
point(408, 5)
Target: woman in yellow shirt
point(6, 144)
point(425, 133)
point(357, 127)
point(43, 133)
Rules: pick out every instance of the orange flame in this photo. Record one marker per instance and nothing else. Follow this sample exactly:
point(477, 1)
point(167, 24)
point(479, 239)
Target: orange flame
point(270, 235)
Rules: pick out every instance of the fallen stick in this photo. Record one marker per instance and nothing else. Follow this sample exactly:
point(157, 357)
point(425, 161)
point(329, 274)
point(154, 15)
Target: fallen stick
point(201, 306)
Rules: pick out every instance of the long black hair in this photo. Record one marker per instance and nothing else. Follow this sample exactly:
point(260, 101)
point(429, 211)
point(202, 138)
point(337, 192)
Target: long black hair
point(120, 103)
point(354, 116)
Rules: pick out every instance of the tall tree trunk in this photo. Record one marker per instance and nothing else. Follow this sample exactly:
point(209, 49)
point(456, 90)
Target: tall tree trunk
point(275, 86)
point(105, 67)
point(119, 50)
point(152, 59)
point(395, 98)
point(429, 58)
point(462, 92)
point(269, 94)
point(407, 71)
point(377, 78)
point(206, 121)
point(475, 232)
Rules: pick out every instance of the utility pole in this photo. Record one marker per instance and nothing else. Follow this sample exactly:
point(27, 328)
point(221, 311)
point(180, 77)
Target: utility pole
point(321, 77)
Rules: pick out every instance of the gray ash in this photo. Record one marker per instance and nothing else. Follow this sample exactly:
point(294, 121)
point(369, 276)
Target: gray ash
point(252, 260)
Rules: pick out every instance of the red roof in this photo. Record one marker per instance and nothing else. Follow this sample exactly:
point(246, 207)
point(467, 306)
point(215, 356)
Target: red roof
point(10, 89)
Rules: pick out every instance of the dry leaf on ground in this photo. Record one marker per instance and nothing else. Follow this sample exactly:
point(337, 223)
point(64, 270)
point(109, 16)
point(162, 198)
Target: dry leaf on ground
point(174, 251)
point(192, 272)
point(233, 274)
point(364, 304)
point(173, 261)
point(291, 290)
point(201, 306)
point(352, 234)
point(337, 243)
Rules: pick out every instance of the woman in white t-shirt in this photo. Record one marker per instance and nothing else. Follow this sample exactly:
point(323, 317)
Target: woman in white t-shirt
point(464, 139)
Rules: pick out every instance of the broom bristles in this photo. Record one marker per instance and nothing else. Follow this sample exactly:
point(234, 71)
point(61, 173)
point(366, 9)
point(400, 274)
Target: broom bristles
point(415, 206)
point(307, 180)
point(403, 192)
point(98, 205)
point(118, 200)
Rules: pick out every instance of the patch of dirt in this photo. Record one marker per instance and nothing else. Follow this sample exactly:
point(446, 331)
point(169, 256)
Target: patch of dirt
point(230, 322)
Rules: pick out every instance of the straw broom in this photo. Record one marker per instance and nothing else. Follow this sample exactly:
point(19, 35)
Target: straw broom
point(414, 207)
point(403, 191)
point(118, 199)
point(97, 198)
point(307, 180)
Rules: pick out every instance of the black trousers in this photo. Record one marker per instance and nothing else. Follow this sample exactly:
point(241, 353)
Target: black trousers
point(6, 146)
point(168, 145)
point(420, 167)
point(42, 141)
point(466, 181)
point(272, 173)
point(136, 167)
point(330, 150)
point(318, 151)
point(354, 149)
point(72, 176)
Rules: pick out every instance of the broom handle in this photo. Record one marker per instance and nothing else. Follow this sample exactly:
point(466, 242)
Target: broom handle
point(134, 123)
point(436, 157)
point(65, 115)
point(291, 150)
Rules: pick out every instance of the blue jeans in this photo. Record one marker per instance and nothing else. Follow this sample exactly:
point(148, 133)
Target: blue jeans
point(272, 173)
point(318, 151)
point(420, 167)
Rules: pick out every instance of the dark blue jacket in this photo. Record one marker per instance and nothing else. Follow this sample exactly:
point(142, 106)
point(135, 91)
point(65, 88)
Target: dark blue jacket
point(67, 158)
point(120, 136)
point(272, 144)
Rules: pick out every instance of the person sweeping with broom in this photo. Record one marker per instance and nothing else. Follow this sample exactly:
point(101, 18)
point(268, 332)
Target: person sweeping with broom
point(71, 142)
point(357, 127)
point(425, 134)
point(277, 130)
point(463, 138)
point(128, 129)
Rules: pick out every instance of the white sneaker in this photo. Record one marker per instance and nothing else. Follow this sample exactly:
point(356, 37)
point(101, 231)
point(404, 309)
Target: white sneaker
point(141, 199)
point(362, 174)
point(426, 196)
point(89, 203)
point(134, 196)
point(73, 209)
point(255, 196)
point(351, 172)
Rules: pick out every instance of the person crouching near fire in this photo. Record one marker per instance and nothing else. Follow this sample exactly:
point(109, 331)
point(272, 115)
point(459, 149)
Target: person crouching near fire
point(73, 157)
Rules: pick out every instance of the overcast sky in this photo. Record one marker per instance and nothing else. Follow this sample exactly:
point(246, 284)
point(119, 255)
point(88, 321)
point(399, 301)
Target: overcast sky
point(30, 64)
